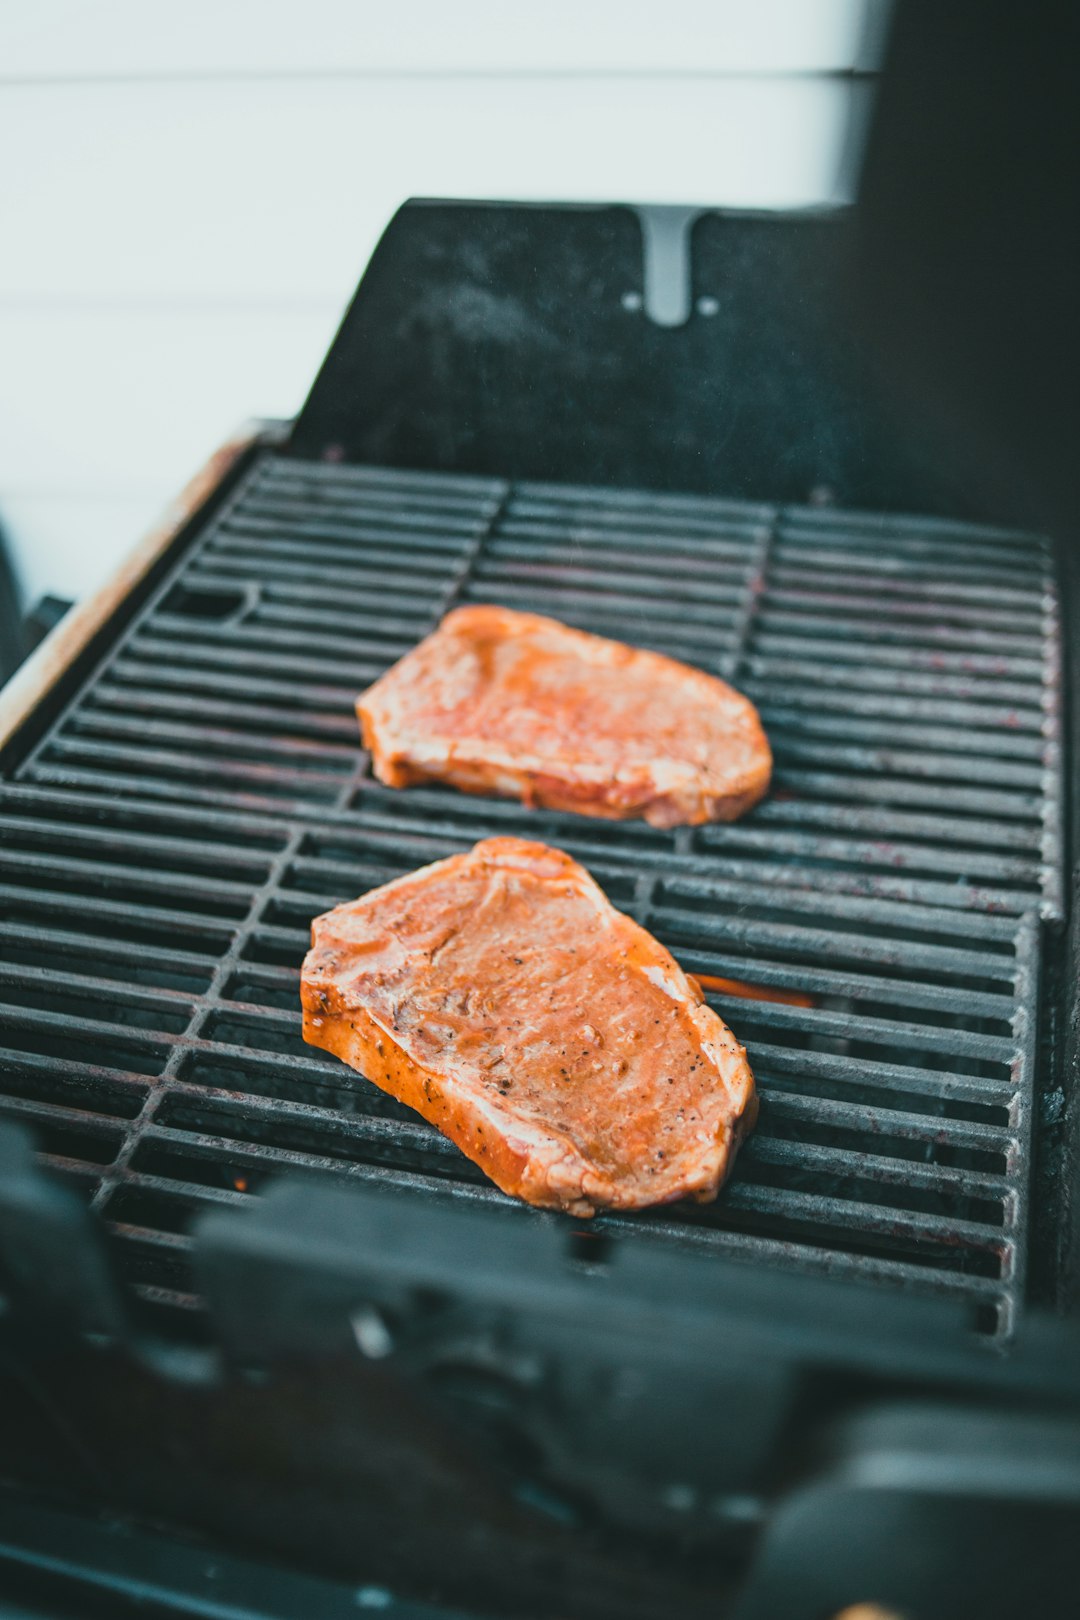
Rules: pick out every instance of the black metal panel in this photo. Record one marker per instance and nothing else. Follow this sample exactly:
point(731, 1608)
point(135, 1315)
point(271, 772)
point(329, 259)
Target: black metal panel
point(514, 340)
point(414, 1396)
point(60, 1565)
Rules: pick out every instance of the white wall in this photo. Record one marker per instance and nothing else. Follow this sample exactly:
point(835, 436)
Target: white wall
point(188, 195)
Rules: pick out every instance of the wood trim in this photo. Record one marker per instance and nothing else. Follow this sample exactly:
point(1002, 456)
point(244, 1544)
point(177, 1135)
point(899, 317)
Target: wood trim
point(52, 658)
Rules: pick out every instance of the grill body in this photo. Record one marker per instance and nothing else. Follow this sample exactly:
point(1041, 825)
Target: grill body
point(194, 793)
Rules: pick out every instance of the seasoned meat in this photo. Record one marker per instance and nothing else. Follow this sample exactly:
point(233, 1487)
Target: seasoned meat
point(558, 1044)
point(510, 703)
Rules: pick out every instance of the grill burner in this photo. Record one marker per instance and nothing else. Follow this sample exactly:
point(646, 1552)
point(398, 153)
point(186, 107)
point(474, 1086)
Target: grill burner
point(169, 838)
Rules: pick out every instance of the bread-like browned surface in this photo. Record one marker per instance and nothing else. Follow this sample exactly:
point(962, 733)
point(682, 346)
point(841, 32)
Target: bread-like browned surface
point(554, 1040)
point(515, 704)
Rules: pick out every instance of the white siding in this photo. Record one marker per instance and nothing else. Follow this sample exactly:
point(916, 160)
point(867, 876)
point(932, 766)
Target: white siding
point(142, 38)
point(189, 194)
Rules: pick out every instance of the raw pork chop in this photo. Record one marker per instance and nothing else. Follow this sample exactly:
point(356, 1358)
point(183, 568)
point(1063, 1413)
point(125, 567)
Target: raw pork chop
point(511, 703)
point(559, 1045)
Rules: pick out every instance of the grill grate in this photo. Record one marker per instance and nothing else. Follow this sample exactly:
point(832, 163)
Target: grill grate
point(907, 670)
point(168, 841)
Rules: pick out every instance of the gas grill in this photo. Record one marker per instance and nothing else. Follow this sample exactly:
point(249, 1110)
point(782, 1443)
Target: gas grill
point(184, 790)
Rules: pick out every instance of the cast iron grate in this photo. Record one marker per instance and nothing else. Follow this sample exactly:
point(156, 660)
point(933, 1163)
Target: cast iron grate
point(907, 669)
point(151, 1038)
point(203, 795)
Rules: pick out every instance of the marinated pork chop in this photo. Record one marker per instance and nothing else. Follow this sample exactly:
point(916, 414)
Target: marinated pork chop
point(511, 703)
point(558, 1044)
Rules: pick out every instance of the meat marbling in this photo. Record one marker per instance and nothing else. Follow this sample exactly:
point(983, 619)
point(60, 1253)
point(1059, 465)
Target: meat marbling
point(501, 995)
point(510, 703)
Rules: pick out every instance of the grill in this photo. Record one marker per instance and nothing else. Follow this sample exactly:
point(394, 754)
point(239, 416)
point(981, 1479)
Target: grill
point(390, 1373)
point(169, 837)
